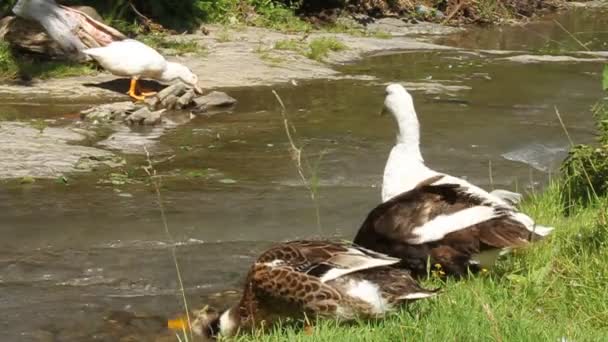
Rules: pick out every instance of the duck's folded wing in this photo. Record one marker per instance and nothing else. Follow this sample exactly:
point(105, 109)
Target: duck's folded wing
point(427, 213)
point(498, 197)
point(325, 260)
point(285, 283)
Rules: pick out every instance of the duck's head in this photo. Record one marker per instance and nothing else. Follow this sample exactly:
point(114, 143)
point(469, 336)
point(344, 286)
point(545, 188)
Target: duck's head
point(210, 323)
point(184, 74)
point(397, 101)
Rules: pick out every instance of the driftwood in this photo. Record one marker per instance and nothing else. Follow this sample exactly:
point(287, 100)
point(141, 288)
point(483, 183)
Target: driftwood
point(150, 112)
point(45, 27)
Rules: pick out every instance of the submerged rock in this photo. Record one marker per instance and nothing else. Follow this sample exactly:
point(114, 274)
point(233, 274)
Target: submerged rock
point(47, 153)
point(109, 112)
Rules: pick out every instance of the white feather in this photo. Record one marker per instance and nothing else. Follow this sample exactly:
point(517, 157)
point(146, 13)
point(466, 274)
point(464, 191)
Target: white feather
point(417, 295)
point(442, 225)
point(227, 326)
point(369, 293)
point(405, 166)
point(365, 263)
point(513, 198)
point(129, 58)
point(528, 222)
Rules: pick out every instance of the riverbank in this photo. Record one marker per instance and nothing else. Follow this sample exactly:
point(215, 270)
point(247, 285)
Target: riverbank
point(246, 57)
point(552, 291)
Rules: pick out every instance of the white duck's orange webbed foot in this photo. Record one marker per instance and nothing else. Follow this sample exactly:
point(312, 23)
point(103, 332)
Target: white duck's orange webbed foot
point(132, 91)
point(137, 97)
point(148, 93)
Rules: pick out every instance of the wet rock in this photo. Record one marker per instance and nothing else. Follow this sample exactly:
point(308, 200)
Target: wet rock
point(186, 99)
point(587, 4)
point(399, 27)
point(144, 116)
point(109, 112)
point(169, 101)
point(171, 90)
point(550, 58)
point(30, 152)
point(151, 111)
point(215, 99)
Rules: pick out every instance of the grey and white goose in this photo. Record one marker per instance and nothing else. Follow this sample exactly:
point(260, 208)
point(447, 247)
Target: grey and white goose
point(440, 218)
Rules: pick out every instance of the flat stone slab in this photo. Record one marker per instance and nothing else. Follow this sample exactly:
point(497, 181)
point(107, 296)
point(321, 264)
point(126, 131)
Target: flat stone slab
point(30, 152)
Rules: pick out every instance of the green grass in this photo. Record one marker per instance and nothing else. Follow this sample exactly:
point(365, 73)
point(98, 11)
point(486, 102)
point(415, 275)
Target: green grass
point(289, 45)
point(319, 48)
point(56, 69)
point(280, 18)
point(552, 290)
point(161, 41)
point(12, 68)
point(9, 69)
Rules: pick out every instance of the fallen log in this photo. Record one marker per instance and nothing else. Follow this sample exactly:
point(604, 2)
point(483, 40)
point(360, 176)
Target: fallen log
point(67, 30)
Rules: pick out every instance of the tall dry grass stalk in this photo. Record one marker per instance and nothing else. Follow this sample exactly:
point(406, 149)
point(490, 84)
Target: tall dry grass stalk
point(301, 162)
point(156, 180)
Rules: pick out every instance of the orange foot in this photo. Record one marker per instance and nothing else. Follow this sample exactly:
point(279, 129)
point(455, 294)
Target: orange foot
point(132, 92)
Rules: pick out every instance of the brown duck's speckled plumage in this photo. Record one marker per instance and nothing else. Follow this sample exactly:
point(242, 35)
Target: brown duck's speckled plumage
point(293, 279)
point(389, 229)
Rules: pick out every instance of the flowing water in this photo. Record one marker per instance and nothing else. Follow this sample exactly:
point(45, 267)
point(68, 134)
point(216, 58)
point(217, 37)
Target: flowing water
point(70, 255)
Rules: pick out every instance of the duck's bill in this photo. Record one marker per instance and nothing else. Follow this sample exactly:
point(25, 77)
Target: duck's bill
point(198, 89)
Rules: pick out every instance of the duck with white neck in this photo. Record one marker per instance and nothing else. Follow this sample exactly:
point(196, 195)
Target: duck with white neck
point(405, 166)
point(428, 216)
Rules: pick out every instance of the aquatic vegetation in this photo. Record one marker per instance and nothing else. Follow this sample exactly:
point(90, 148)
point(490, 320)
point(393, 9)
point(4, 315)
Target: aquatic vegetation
point(319, 48)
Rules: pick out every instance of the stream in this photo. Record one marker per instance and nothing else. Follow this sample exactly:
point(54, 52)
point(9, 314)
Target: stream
point(72, 255)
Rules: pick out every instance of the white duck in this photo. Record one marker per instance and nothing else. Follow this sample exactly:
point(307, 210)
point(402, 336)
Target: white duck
point(405, 166)
point(137, 60)
point(431, 215)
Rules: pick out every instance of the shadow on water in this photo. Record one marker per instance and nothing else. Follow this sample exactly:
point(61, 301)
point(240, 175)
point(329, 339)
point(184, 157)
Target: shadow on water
point(73, 254)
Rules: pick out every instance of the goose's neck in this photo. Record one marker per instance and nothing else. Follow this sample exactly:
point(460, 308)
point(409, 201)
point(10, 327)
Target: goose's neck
point(172, 72)
point(408, 135)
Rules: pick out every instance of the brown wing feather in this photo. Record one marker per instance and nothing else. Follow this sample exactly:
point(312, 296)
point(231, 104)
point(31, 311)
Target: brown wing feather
point(388, 228)
point(396, 218)
point(285, 284)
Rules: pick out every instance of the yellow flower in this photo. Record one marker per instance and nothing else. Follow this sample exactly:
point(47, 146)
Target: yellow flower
point(437, 266)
